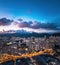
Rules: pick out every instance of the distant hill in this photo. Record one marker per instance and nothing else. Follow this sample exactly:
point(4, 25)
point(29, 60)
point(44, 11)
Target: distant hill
point(27, 34)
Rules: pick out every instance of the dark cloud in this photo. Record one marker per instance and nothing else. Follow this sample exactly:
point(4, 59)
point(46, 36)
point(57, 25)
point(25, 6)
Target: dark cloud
point(50, 26)
point(37, 25)
point(23, 24)
point(44, 26)
point(20, 19)
point(32, 24)
point(5, 21)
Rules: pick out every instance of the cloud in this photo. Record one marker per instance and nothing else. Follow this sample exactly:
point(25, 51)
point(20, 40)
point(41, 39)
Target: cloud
point(24, 24)
point(20, 19)
point(44, 25)
point(5, 21)
point(31, 24)
point(36, 25)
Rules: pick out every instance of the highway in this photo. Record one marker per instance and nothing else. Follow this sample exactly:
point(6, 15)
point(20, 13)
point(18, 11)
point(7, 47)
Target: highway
point(7, 57)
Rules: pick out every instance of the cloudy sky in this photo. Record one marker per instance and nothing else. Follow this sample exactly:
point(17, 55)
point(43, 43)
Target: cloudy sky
point(30, 15)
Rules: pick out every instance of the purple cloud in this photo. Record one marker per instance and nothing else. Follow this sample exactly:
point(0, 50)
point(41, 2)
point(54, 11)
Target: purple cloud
point(23, 24)
point(30, 24)
point(37, 25)
point(5, 21)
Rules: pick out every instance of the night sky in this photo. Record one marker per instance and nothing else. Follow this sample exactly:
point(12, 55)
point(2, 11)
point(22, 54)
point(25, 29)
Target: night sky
point(37, 15)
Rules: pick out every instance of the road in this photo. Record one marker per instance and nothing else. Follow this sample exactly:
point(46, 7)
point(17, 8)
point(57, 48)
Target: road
point(7, 57)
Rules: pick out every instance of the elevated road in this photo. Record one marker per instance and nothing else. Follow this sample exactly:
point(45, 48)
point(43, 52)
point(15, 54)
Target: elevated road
point(7, 57)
